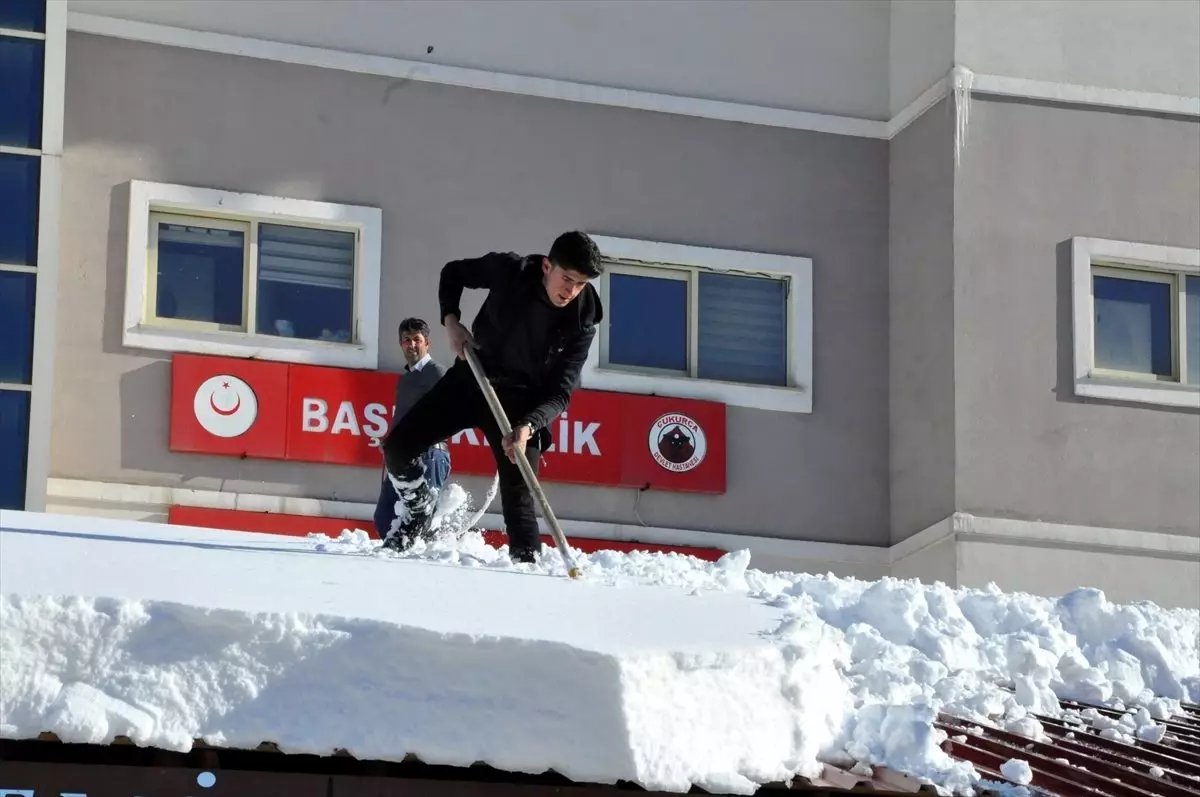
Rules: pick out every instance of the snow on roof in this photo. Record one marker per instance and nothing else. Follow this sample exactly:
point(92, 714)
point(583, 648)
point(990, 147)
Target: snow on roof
point(659, 669)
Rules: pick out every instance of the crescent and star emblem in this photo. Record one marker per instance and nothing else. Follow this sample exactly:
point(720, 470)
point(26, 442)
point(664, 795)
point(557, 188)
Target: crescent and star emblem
point(212, 402)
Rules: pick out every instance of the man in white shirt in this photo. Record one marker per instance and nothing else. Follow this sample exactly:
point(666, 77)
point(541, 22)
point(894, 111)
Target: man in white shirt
point(420, 374)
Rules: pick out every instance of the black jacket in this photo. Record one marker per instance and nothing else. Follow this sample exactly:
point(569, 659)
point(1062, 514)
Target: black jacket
point(512, 283)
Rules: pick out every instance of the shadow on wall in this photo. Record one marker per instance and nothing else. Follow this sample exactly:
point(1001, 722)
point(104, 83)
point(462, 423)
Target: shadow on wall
point(1064, 390)
point(116, 257)
point(145, 435)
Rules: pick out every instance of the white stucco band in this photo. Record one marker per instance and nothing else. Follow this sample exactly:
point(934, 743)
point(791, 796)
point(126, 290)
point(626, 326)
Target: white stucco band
point(962, 550)
point(573, 91)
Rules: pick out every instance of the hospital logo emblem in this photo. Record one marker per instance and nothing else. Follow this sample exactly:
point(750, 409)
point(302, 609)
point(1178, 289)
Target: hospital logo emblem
point(225, 406)
point(677, 442)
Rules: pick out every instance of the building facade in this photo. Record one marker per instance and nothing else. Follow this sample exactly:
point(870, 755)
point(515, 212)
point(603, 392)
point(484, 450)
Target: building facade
point(916, 283)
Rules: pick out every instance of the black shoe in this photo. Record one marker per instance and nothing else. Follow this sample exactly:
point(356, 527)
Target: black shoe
point(398, 542)
point(522, 555)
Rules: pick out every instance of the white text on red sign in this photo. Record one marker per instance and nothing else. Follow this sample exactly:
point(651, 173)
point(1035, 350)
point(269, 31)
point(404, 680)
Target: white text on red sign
point(576, 437)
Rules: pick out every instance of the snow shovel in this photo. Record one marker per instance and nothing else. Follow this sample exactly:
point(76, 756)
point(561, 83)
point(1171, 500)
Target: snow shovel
point(560, 539)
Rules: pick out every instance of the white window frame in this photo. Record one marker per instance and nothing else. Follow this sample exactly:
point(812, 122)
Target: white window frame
point(1153, 263)
point(634, 256)
point(140, 330)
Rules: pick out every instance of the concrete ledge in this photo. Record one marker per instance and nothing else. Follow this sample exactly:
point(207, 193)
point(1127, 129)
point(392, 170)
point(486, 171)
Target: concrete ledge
point(963, 525)
point(1050, 559)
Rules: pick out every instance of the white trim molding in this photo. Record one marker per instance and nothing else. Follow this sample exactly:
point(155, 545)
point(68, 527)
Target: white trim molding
point(14, 33)
point(572, 91)
point(962, 526)
point(1078, 94)
point(55, 77)
point(1170, 263)
point(917, 108)
point(149, 197)
point(796, 396)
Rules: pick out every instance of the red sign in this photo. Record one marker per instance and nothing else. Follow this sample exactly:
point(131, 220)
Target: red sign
point(306, 413)
point(228, 406)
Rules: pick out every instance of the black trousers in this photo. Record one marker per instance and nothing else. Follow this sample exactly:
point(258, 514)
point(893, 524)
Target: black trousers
point(453, 404)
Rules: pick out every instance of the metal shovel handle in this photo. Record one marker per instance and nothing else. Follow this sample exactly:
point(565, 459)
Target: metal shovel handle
point(531, 480)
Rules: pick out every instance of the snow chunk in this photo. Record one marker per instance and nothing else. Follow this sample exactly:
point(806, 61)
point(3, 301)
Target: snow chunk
point(1018, 771)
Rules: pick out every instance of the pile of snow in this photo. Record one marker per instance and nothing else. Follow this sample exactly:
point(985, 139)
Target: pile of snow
point(660, 669)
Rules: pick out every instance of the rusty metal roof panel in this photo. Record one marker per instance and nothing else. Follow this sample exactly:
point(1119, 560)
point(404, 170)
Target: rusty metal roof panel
point(1076, 759)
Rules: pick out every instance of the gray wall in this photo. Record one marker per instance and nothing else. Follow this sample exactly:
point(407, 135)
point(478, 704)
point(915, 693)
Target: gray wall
point(1050, 570)
point(825, 57)
point(920, 48)
point(459, 172)
point(1032, 176)
point(921, 322)
point(1137, 45)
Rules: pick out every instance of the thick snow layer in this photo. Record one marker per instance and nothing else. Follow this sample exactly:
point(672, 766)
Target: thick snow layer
point(663, 670)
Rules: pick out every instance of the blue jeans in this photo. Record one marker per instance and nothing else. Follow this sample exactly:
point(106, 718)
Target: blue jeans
point(437, 470)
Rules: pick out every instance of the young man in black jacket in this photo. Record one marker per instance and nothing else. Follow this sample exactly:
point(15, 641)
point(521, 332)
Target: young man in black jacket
point(532, 336)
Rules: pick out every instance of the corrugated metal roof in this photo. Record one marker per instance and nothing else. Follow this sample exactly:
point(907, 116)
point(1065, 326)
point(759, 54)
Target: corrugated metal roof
point(1076, 760)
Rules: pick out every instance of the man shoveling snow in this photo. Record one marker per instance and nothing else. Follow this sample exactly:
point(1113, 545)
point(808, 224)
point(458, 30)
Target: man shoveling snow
point(532, 336)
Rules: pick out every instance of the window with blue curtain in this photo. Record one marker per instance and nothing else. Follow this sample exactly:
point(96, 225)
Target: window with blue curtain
point(200, 274)
point(22, 68)
point(742, 325)
point(14, 447)
point(648, 321)
point(306, 283)
point(1191, 303)
point(1133, 325)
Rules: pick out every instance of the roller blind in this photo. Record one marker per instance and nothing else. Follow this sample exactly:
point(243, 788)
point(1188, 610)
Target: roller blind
point(306, 256)
point(742, 329)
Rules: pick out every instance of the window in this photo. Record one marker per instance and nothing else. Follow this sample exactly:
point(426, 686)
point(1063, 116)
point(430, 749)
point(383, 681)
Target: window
point(714, 324)
point(244, 275)
point(17, 293)
point(32, 74)
point(23, 15)
point(14, 443)
point(19, 189)
point(19, 196)
point(22, 72)
point(1137, 322)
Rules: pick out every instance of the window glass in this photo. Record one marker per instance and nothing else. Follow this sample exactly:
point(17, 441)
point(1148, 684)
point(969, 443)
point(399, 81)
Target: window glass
point(743, 329)
point(19, 200)
point(200, 274)
point(1192, 317)
point(305, 283)
point(28, 15)
point(14, 447)
point(21, 66)
point(1133, 325)
point(16, 326)
point(648, 321)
